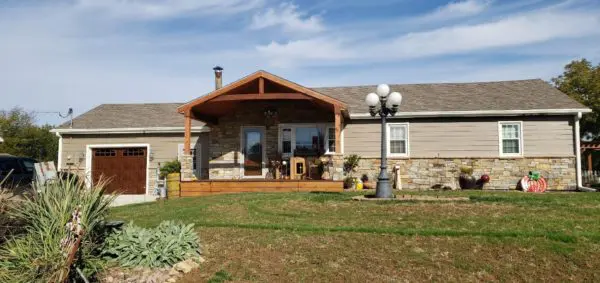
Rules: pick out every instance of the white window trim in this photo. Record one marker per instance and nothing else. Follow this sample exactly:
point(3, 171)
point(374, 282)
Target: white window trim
point(293, 126)
point(387, 136)
point(327, 141)
point(521, 144)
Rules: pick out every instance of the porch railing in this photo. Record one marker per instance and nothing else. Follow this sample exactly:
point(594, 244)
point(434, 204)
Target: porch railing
point(590, 177)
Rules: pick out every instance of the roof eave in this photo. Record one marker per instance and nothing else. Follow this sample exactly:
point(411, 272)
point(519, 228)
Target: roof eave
point(477, 113)
point(141, 130)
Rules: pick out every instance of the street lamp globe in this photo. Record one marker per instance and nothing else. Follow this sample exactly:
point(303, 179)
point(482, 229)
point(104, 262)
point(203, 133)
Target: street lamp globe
point(372, 99)
point(394, 99)
point(383, 90)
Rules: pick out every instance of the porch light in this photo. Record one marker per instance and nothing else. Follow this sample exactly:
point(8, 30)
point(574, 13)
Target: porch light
point(383, 98)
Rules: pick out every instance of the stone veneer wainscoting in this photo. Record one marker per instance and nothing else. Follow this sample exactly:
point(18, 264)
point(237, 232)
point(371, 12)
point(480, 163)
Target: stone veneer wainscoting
point(423, 173)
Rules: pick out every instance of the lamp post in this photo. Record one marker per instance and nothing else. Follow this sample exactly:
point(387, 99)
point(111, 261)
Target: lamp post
point(383, 97)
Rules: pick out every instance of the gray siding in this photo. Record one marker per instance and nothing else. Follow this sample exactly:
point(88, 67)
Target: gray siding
point(543, 136)
point(163, 148)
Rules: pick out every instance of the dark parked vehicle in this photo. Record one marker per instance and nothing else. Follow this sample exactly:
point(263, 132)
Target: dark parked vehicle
point(23, 171)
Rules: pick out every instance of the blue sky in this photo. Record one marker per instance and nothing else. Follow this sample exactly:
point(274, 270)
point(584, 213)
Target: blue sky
point(81, 53)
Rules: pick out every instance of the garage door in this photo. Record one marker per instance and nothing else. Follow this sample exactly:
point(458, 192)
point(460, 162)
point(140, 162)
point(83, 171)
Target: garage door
point(126, 168)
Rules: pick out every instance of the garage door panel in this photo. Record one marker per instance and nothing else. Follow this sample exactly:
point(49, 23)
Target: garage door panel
point(124, 168)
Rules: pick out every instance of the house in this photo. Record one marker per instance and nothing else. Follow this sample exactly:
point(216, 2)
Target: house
point(503, 129)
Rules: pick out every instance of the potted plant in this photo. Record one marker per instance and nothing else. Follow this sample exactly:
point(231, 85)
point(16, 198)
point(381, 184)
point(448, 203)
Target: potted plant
point(350, 164)
point(171, 171)
point(466, 180)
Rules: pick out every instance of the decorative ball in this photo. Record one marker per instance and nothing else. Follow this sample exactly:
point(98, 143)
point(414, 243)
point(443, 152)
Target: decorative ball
point(485, 178)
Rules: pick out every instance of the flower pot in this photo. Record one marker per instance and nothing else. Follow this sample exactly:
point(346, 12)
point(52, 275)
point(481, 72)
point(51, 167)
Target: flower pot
point(467, 182)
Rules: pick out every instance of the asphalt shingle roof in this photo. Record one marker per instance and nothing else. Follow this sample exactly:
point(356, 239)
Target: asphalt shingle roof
point(504, 95)
point(146, 115)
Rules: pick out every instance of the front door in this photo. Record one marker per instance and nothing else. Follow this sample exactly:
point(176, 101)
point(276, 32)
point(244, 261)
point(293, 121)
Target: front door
point(252, 144)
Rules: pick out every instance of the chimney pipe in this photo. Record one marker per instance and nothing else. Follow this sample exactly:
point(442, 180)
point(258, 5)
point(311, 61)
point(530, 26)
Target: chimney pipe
point(218, 77)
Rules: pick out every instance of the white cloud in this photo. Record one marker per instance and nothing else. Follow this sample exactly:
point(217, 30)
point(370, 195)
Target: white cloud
point(156, 9)
point(288, 18)
point(457, 9)
point(534, 27)
point(285, 55)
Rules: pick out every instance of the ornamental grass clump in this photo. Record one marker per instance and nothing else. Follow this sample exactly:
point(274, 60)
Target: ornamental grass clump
point(37, 255)
point(163, 246)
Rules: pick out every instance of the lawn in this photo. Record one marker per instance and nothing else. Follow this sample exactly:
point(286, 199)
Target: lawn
point(504, 236)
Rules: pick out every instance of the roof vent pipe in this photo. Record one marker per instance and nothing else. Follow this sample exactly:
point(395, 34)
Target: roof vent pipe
point(218, 77)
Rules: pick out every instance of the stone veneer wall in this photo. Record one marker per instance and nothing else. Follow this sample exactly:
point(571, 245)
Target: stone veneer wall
point(423, 173)
point(225, 158)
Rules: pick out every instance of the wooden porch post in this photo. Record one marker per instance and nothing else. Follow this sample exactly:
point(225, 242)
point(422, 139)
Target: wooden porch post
point(187, 133)
point(589, 160)
point(338, 129)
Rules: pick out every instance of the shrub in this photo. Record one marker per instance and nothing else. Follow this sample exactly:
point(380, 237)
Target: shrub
point(350, 163)
point(162, 246)
point(37, 256)
point(466, 170)
point(170, 167)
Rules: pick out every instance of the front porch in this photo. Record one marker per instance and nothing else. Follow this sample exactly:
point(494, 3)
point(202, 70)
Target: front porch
point(267, 134)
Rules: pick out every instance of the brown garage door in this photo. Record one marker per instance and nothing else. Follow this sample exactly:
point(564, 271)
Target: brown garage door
point(126, 168)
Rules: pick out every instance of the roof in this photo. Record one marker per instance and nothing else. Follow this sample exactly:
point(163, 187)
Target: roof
point(146, 115)
point(533, 94)
point(522, 96)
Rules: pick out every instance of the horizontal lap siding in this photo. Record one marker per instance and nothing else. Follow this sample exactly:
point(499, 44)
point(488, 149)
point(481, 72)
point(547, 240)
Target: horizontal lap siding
point(465, 137)
point(550, 137)
point(163, 148)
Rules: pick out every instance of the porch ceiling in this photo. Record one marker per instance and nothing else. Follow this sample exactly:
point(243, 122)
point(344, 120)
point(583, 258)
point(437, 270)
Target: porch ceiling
point(260, 86)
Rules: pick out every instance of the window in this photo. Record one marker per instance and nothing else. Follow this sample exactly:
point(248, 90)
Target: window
point(105, 152)
point(307, 138)
point(286, 141)
point(397, 140)
point(133, 152)
point(511, 143)
point(331, 140)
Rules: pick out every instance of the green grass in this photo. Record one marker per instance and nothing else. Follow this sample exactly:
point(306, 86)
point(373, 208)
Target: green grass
point(559, 227)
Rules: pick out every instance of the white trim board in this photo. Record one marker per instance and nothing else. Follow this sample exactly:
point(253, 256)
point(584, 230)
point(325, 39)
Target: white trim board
point(475, 113)
point(201, 129)
point(88, 160)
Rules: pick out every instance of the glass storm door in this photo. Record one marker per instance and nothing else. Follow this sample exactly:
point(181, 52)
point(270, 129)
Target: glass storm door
point(253, 151)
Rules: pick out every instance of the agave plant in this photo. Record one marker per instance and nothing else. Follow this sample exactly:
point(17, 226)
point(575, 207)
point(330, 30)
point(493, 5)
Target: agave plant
point(37, 255)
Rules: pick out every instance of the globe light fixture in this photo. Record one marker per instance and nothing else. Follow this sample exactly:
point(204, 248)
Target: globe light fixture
point(372, 99)
point(388, 106)
point(383, 90)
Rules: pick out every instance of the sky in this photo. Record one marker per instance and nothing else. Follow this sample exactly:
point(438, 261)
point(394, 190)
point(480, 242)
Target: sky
point(57, 54)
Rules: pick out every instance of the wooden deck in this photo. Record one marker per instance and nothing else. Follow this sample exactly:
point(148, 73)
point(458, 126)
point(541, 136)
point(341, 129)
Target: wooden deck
point(214, 187)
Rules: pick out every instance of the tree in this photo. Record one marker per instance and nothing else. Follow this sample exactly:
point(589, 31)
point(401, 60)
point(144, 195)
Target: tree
point(22, 137)
point(581, 81)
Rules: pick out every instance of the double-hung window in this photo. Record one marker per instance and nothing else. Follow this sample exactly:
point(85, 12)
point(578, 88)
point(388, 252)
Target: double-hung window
point(397, 139)
point(511, 138)
point(330, 139)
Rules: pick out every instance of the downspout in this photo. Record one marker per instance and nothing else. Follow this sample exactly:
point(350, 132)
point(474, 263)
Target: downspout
point(580, 186)
point(59, 158)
